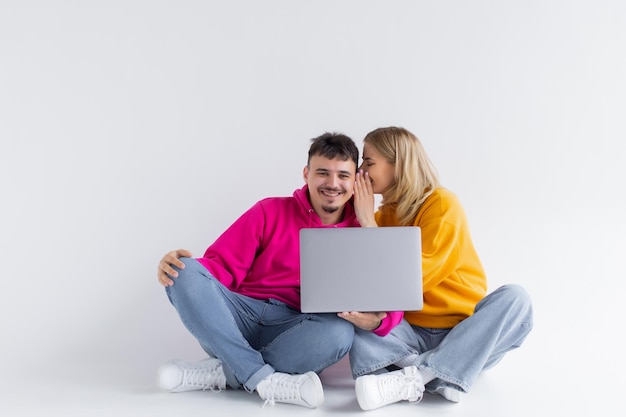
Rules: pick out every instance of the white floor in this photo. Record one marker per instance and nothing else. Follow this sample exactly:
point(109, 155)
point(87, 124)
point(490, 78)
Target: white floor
point(520, 385)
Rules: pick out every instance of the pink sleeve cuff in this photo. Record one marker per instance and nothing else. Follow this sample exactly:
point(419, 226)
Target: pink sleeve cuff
point(388, 323)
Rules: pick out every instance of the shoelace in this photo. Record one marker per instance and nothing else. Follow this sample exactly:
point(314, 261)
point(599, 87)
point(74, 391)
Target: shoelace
point(202, 377)
point(281, 388)
point(408, 386)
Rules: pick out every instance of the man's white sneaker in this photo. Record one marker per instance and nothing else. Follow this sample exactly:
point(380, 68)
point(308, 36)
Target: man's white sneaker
point(374, 391)
point(180, 376)
point(305, 389)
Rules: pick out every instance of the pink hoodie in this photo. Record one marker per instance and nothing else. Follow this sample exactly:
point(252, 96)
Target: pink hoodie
point(259, 254)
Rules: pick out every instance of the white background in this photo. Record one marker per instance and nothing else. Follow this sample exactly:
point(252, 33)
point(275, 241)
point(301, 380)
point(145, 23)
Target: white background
point(129, 128)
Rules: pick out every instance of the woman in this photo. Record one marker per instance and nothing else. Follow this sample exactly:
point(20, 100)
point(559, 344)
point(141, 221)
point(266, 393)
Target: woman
point(461, 330)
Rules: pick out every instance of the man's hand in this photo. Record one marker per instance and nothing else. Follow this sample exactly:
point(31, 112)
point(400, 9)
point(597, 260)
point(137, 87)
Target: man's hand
point(165, 269)
point(365, 321)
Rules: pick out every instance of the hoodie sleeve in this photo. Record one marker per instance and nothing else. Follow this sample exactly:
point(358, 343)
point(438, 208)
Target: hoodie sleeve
point(388, 323)
point(231, 256)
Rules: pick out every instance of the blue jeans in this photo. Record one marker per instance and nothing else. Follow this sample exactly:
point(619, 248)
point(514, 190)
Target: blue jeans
point(254, 338)
point(455, 356)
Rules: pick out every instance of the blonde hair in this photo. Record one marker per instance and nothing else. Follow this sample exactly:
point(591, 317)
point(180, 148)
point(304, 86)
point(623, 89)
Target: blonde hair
point(415, 176)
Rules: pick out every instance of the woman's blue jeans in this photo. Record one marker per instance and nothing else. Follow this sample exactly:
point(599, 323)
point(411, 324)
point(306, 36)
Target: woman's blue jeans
point(455, 356)
point(254, 338)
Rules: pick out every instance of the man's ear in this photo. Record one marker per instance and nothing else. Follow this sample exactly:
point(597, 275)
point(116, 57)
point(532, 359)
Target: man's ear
point(305, 174)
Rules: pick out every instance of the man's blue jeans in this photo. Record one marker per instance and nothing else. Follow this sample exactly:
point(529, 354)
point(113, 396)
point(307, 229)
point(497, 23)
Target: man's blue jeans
point(456, 356)
point(254, 338)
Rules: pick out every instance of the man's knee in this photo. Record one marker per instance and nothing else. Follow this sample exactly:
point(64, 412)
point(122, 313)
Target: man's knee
point(342, 333)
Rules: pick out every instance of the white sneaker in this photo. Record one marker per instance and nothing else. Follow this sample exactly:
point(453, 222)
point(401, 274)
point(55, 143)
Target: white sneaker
point(450, 394)
point(180, 376)
point(305, 389)
point(374, 391)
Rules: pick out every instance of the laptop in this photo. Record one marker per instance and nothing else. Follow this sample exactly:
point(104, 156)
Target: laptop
point(362, 269)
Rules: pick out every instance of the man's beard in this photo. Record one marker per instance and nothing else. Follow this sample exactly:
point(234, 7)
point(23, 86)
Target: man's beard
point(330, 209)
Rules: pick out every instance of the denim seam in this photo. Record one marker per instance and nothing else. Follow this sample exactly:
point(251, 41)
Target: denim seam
point(381, 365)
point(446, 378)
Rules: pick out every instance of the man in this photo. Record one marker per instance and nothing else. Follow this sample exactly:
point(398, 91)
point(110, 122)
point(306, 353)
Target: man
point(241, 300)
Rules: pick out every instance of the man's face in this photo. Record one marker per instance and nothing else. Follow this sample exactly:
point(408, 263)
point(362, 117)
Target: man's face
point(331, 184)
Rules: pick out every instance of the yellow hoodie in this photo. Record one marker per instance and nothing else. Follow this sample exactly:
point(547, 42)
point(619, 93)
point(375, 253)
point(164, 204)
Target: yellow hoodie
point(454, 280)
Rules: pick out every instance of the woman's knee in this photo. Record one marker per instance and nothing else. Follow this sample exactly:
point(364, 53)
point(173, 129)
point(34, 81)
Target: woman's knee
point(518, 299)
point(517, 292)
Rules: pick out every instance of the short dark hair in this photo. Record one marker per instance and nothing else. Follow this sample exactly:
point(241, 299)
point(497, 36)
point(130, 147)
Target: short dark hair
point(334, 145)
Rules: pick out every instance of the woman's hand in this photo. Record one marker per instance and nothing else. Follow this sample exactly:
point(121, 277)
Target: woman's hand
point(364, 200)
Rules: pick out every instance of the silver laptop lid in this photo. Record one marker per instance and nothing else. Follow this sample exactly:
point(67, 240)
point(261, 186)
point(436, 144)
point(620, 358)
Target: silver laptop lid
point(360, 269)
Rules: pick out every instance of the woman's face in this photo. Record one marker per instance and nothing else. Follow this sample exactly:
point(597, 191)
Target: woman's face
point(381, 172)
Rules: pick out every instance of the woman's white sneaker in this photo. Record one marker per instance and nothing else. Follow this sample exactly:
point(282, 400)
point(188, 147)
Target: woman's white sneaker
point(450, 394)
